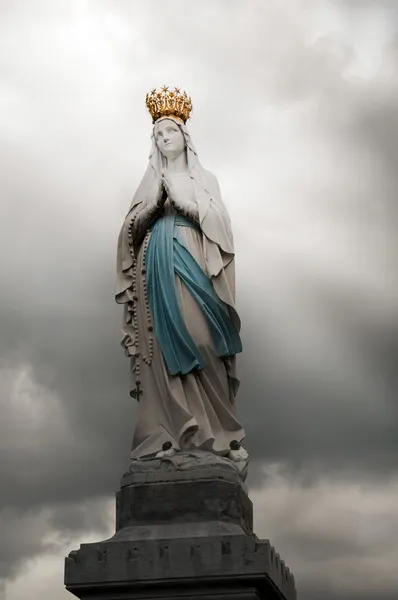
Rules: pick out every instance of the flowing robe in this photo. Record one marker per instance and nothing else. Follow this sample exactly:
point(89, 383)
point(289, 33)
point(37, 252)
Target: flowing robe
point(196, 409)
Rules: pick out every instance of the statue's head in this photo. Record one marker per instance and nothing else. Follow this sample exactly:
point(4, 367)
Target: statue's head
point(169, 138)
point(170, 110)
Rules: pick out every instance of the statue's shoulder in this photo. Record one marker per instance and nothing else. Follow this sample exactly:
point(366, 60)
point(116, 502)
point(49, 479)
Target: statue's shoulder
point(210, 175)
point(213, 181)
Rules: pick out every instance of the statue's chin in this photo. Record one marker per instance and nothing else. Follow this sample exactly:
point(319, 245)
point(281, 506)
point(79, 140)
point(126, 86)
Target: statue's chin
point(172, 154)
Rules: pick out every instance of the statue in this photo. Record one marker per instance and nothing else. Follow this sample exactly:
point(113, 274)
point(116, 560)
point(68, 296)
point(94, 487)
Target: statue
point(175, 278)
point(184, 519)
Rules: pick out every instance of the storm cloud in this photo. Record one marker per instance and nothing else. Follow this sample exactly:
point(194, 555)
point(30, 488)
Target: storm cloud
point(295, 112)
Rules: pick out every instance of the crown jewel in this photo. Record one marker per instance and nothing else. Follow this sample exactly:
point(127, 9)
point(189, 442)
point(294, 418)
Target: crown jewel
point(165, 103)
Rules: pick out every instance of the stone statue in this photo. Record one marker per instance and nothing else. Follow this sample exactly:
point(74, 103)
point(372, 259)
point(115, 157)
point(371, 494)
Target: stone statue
point(184, 520)
point(175, 269)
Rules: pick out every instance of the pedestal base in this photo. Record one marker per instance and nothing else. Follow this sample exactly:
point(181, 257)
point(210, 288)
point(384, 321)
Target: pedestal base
point(180, 539)
point(239, 566)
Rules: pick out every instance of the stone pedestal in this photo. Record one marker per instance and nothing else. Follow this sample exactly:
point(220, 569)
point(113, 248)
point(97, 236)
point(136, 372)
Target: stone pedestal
point(180, 534)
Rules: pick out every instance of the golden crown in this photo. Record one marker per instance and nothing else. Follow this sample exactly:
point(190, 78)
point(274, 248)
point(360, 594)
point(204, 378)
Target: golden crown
point(165, 103)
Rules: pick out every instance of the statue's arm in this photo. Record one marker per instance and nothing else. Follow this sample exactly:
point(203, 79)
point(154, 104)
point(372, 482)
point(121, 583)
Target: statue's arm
point(141, 220)
point(187, 209)
point(143, 215)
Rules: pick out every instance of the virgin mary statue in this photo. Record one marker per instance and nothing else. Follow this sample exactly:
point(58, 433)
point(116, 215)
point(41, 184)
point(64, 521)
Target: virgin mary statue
point(175, 278)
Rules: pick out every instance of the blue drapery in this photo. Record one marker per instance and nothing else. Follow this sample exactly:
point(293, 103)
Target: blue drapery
point(166, 256)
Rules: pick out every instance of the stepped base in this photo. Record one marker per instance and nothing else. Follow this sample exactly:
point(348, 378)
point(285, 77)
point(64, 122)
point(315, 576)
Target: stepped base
point(178, 537)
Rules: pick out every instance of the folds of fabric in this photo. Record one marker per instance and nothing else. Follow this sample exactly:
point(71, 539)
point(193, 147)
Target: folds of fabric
point(167, 257)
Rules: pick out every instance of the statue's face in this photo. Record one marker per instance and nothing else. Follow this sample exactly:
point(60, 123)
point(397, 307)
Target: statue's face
point(169, 138)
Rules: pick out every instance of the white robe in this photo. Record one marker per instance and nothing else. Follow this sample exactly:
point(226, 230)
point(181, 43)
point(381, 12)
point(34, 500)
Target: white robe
point(197, 409)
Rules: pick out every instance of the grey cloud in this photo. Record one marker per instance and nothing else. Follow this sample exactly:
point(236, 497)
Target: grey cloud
point(318, 398)
point(329, 530)
point(40, 531)
point(14, 526)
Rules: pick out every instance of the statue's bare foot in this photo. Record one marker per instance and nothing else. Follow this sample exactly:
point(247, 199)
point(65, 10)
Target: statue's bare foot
point(167, 450)
point(237, 452)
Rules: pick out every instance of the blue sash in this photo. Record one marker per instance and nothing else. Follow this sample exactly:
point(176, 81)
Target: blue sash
point(166, 256)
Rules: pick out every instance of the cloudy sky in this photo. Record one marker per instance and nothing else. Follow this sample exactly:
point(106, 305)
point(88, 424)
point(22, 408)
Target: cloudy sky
point(296, 112)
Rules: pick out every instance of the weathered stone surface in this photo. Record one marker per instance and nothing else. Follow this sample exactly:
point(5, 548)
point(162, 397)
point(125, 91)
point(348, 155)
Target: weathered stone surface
point(184, 502)
point(180, 539)
point(184, 465)
point(135, 566)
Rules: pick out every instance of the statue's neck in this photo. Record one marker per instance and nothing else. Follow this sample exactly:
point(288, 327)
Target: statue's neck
point(178, 164)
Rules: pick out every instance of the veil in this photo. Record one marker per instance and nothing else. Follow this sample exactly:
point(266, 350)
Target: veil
point(206, 190)
point(213, 218)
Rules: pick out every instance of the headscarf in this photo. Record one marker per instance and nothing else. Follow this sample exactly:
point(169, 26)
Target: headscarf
point(213, 218)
